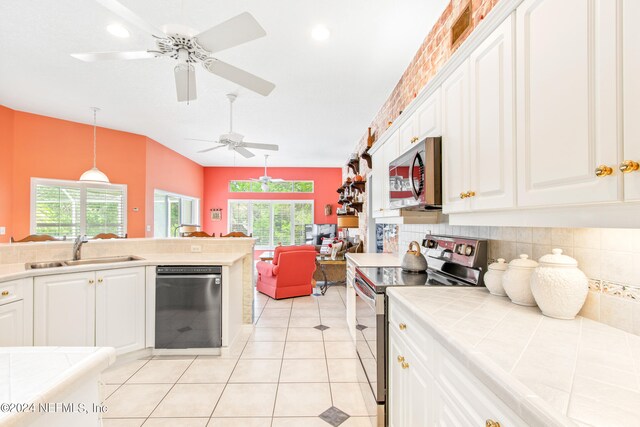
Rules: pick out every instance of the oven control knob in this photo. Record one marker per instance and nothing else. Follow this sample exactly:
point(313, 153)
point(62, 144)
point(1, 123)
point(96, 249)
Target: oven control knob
point(468, 250)
point(459, 249)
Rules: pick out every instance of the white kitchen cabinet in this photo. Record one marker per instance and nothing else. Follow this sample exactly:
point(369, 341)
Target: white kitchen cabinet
point(567, 86)
point(388, 152)
point(631, 96)
point(455, 140)
point(120, 309)
point(407, 134)
point(492, 122)
point(391, 151)
point(104, 308)
point(351, 298)
point(428, 117)
point(12, 324)
point(64, 310)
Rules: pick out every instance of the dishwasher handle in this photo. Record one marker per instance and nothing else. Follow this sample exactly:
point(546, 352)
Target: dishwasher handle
point(189, 276)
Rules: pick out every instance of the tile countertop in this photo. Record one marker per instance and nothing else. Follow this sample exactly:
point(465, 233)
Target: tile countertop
point(18, 270)
point(548, 371)
point(374, 260)
point(58, 369)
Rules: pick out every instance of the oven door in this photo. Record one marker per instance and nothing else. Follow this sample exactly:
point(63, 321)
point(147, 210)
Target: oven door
point(370, 336)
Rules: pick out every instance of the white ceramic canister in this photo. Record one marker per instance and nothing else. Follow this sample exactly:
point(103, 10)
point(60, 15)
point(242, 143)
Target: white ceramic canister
point(493, 277)
point(517, 280)
point(558, 286)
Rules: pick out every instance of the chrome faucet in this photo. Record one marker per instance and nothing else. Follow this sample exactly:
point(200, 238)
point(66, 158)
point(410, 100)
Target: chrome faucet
point(77, 246)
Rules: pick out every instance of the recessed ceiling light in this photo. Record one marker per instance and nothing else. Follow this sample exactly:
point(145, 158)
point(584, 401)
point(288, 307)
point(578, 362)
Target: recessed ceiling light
point(118, 31)
point(320, 33)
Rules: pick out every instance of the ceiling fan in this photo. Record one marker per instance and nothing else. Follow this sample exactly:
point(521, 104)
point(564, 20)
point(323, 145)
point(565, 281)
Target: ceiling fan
point(188, 50)
point(234, 141)
point(266, 179)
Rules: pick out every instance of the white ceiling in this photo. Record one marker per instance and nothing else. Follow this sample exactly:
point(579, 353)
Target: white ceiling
point(326, 92)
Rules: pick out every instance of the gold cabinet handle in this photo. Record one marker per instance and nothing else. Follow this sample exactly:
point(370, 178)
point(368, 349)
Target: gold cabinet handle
point(5, 293)
point(470, 194)
point(629, 166)
point(463, 195)
point(491, 423)
point(402, 326)
point(91, 281)
point(603, 170)
point(100, 280)
point(405, 365)
point(414, 139)
point(400, 359)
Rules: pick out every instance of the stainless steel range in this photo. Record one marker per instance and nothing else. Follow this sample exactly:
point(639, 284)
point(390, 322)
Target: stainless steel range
point(453, 261)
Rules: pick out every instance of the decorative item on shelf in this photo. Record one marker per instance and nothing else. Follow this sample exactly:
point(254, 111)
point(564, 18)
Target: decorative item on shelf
point(358, 178)
point(517, 281)
point(389, 123)
point(558, 286)
point(354, 164)
point(348, 221)
point(327, 209)
point(336, 247)
point(94, 174)
point(216, 214)
point(413, 260)
point(493, 277)
point(365, 154)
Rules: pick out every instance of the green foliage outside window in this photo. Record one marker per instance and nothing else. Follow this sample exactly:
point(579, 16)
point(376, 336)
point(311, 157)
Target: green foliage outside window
point(272, 187)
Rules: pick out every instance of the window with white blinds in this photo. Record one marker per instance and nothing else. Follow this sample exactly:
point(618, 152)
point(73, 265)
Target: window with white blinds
point(271, 221)
point(70, 208)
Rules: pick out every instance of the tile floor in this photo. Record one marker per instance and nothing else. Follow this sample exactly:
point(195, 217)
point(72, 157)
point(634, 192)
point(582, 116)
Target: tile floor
point(287, 373)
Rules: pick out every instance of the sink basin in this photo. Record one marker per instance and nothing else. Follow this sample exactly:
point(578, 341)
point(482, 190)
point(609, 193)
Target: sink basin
point(87, 261)
point(50, 264)
point(103, 260)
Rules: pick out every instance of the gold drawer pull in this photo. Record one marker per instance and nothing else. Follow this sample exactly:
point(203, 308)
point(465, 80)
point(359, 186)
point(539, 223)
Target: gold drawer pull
point(5, 293)
point(402, 326)
point(414, 139)
point(471, 194)
point(400, 359)
point(91, 281)
point(405, 365)
point(491, 423)
point(629, 166)
point(463, 195)
point(100, 280)
point(603, 170)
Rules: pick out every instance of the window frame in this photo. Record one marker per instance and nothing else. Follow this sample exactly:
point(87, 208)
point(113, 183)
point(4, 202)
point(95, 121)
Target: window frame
point(83, 200)
point(250, 202)
point(292, 181)
point(181, 198)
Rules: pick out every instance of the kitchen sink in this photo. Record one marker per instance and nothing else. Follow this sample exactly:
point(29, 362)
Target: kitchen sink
point(108, 260)
point(87, 261)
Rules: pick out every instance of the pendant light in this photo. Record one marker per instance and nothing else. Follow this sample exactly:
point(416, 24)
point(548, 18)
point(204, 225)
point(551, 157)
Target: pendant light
point(94, 174)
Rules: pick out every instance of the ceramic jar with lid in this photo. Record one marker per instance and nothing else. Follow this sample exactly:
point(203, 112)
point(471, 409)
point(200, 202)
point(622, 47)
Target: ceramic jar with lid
point(517, 280)
point(493, 277)
point(558, 286)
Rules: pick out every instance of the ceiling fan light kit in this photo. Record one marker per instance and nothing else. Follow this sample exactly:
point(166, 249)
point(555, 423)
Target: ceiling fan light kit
point(188, 50)
point(94, 174)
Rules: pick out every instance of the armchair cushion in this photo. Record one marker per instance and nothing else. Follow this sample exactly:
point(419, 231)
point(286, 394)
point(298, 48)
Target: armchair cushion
point(291, 273)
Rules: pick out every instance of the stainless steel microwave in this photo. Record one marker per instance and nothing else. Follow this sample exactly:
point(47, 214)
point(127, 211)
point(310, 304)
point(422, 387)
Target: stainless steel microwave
point(415, 178)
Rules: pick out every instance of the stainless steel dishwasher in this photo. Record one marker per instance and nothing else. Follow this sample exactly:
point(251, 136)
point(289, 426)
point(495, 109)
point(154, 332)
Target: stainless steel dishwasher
point(188, 306)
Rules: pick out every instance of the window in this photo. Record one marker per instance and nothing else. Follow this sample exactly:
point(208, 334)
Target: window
point(272, 187)
point(170, 210)
point(271, 221)
point(70, 208)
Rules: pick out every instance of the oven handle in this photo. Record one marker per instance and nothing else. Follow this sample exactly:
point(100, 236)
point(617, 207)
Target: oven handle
point(359, 287)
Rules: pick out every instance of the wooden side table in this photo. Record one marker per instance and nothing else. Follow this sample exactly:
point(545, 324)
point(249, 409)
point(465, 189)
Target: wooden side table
point(266, 256)
point(332, 270)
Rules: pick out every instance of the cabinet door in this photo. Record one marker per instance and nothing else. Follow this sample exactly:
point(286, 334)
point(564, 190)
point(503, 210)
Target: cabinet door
point(631, 94)
point(379, 170)
point(455, 140)
point(120, 309)
point(391, 151)
point(428, 117)
point(12, 324)
point(492, 118)
point(64, 310)
point(407, 134)
point(566, 101)
point(398, 385)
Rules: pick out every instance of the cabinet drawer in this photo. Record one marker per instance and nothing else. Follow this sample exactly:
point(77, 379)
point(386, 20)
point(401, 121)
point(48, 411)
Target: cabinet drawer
point(412, 333)
point(11, 291)
point(472, 399)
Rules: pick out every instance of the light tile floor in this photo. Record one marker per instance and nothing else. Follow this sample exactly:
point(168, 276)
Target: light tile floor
point(285, 374)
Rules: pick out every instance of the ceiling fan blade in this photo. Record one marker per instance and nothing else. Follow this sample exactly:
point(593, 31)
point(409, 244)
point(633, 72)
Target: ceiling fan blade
point(211, 141)
point(206, 150)
point(109, 56)
point(244, 152)
point(185, 82)
point(241, 77)
point(233, 32)
point(259, 146)
point(128, 15)
point(277, 180)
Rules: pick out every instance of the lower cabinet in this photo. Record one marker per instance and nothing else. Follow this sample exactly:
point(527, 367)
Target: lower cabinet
point(101, 308)
point(12, 324)
point(427, 386)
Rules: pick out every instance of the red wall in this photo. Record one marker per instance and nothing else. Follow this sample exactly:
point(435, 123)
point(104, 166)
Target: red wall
point(216, 191)
point(6, 169)
point(170, 171)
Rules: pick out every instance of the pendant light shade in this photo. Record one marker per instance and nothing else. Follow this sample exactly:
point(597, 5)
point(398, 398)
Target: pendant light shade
point(94, 174)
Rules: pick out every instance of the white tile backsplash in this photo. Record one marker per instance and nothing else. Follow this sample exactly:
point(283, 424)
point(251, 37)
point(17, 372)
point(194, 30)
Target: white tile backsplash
point(607, 255)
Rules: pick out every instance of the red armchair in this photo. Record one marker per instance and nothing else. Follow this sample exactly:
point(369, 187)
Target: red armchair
point(290, 274)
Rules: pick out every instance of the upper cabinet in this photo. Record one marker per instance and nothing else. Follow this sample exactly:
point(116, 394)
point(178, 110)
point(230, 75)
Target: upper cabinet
point(388, 152)
point(631, 99)
point(567, 87)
